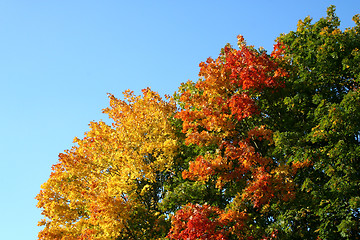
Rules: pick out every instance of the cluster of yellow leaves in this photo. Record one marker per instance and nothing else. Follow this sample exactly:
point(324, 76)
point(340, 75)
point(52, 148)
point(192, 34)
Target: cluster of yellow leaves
point(95, 185)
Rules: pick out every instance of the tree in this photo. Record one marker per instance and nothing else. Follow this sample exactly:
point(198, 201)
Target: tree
point(262, 146)
point(221, 117)
point(317, 120)
point(109, 184)
point(282, 147)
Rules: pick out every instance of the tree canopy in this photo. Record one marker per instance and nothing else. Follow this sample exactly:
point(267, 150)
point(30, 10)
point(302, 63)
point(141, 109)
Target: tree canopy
point(261, 146)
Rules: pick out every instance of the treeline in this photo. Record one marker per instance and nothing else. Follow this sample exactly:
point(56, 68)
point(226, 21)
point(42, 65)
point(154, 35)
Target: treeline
point(262, 146)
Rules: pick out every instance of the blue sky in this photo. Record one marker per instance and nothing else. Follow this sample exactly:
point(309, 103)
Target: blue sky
point(59, 59)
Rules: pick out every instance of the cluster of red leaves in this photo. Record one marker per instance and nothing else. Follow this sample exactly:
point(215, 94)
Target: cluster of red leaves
point(213, 108)
point(226, 92)
point(212, 111)
point(205, 222)
point(253, 70)
point(238, 158)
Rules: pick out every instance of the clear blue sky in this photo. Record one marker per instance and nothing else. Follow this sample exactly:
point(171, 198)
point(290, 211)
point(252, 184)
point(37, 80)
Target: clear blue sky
point(58, 59)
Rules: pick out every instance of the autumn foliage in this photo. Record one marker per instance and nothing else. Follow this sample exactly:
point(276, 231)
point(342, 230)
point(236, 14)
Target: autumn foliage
point(217, 113)
point(262, 146)
point(112, 174)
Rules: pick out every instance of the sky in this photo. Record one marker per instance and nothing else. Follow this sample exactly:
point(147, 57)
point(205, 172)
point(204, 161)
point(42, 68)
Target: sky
point(59, 59)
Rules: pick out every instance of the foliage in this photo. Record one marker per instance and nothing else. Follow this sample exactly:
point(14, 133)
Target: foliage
point(110, 183)
point(220, 115)
point(321, 107)
point(262, 146)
